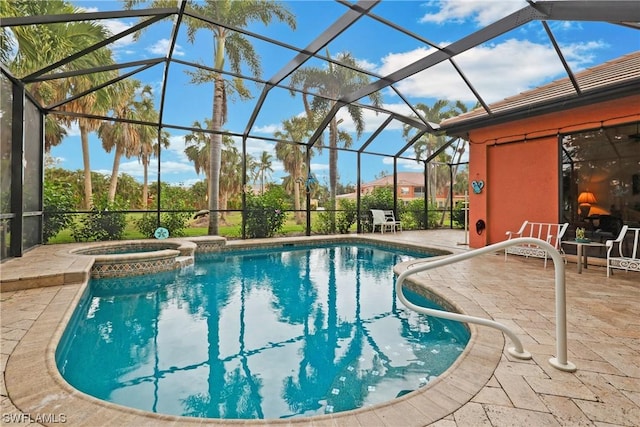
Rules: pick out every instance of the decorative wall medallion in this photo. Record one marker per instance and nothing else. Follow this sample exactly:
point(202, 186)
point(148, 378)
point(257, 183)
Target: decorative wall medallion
point(477, 185)
point(161, 233)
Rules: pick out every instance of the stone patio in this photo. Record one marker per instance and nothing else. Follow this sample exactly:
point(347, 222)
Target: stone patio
point(486, 386)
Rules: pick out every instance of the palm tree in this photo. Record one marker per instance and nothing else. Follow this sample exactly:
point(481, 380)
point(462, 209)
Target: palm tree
point(231, 176)
point(149, 146)
point(330, 83)
point(42, 45)
point(127, 137)
point(97, 103)
point(430, 142)
point(458, 108)
point(264, 167)
point(151, 141)
point(293, 156)
point(21, 48)
point(237, 49)
point(197, 150)
point(252, 167)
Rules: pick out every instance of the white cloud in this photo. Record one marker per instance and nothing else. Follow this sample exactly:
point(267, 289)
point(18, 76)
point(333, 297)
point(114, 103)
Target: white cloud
point(373, 121)
point(395, 61)
point(87, 9)
point(116, 26)
point(582, 55)
point(497, 70)
point(277, 166)
point(405, 163)
point(268, 129)
point(366, 65)
point(480, 12)
point(161, 47)
point(169, 167)
point(176, 147)
point(255, 147)
point(321, 172)
point(319, 167)
point(73, 130)
point(54, 161)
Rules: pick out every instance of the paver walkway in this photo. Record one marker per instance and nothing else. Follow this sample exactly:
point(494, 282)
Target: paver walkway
point(487, 388)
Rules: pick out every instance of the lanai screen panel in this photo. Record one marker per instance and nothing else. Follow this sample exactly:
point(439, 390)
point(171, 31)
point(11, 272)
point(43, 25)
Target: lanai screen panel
point(32, 170)
point(6, 119)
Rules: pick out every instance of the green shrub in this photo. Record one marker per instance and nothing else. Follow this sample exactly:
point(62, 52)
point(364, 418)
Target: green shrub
point(347, 215)
point(58, 199)
point(174, 222)
point(379, 198)
point(265, 214)
point(328, 222)
point(415, 215)
point(457, 215)
point(324, 222)
point(104, 222)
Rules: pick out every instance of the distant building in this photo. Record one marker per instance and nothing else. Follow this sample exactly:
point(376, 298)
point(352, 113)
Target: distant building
point(410, 187)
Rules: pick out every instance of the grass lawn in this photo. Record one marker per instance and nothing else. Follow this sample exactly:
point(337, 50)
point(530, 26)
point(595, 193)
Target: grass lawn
point(230, 228)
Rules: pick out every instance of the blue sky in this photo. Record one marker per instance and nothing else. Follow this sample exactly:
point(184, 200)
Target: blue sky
point(515, 62)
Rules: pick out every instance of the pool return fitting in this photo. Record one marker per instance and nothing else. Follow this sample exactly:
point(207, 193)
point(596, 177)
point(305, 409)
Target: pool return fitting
point(560, 361)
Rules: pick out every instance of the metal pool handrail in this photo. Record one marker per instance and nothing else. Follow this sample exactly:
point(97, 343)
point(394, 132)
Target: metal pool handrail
point(560, 361)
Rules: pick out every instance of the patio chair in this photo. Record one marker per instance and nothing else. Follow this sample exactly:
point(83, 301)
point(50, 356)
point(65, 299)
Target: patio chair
point(380, 219)
point(391, 217)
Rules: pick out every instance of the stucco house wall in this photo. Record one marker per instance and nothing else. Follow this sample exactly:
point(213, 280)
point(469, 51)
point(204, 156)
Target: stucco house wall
point(519, 163)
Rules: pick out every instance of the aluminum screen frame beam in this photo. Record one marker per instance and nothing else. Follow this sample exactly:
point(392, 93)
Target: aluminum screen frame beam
point(338, 27)
point(592, 10)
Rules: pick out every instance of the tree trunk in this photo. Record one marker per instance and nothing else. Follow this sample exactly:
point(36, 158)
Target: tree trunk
point(145, 184)
point(113, 184)
point(296, 200)
point(224, 197)
point(88, 189)
point(454, 173)
point(333, 171)
point(215, 155)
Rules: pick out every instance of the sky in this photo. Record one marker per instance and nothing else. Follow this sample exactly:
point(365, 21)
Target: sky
point(517, 61)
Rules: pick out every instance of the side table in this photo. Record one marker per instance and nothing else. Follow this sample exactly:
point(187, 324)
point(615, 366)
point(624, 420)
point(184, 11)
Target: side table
point(581, 252)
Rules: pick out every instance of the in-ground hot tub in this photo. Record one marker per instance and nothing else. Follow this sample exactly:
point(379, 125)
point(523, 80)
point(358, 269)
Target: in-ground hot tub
point(137, 257)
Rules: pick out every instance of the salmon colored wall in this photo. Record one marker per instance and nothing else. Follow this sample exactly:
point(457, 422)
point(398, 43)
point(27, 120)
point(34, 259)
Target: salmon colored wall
point(519, 164)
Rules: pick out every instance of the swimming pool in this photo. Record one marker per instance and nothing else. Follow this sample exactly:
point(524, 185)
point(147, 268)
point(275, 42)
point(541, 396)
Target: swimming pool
point(260, 334)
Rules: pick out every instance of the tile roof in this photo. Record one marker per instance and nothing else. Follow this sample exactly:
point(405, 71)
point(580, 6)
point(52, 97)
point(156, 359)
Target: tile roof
point(415, 179)
point(625, 69)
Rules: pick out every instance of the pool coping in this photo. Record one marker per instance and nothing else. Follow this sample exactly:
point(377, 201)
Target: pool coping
point(32, 366)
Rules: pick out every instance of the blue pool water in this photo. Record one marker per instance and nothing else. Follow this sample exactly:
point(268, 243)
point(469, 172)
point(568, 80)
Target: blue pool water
point(259, 334)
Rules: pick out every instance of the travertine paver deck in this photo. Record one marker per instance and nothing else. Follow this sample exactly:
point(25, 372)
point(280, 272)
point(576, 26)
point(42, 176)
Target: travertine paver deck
point(485, 387)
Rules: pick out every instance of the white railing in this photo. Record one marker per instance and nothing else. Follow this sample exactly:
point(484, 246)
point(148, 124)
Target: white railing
point(560, 361)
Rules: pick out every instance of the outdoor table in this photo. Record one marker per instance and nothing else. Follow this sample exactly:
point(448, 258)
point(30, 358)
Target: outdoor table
point(582, 252)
